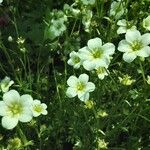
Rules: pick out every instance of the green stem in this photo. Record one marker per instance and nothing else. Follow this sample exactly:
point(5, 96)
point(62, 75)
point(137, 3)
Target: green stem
point(142, 71)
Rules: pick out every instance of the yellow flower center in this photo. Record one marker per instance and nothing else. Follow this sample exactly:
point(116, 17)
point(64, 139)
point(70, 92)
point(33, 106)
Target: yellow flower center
point(136, 45)
point(38, 108)
point(80, 86)
point(97, 53)
point(15, 108)
point(100, 70)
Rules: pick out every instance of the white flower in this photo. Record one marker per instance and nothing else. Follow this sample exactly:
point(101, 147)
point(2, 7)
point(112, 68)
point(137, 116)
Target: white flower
point(117, 9)
point(56, 29)
point(1, 1)
point(38, 108)
point(15, 108)
point(134, 45)
point(95, 54)
point(5, 84)
point(88, 2)
point(101, 72)
point(74, 60)
point(146, 23)
point(124, 26)
point(79, 86)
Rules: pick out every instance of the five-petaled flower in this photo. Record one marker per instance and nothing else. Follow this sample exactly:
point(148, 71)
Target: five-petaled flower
point(134, 45)
point(15, 108)
point(75, 60)
point(79, 86)
point(95, 54)
point(38, 108)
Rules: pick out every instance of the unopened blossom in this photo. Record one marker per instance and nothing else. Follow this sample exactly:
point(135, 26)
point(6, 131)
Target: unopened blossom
point(15, 108)
point(75, 60)
point(134, 45)
point(146, 23)
point(148, 80)
point(102, 72)
point(79, 87)
point(95, 54)
point(126, 80)
point(5, 84)
point(124, 26)
point(38, 108)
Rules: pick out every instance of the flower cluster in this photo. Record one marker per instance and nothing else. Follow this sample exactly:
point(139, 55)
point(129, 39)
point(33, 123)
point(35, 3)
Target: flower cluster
point(95, 56)
point(15, 108)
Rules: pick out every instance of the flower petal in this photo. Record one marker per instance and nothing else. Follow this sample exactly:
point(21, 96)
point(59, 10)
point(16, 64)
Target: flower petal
point(84, 78)
point(109, 48)
point(121, 30)
point(129, 57)
point(94, 43)
point(71, 92)
point(26, 100)
point(89, 65)
point(90, 87)
point(3, 109)
point(9, 122)
point(11, 96)
point(84, 97)
point(122, 22)
point(72, 81)
point(144, 52)
point(124, 46)
point(26, 115)
point(146, 39)
point(132, 35)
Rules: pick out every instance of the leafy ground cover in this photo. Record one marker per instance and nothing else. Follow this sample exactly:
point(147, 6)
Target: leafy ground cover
point(75, 75)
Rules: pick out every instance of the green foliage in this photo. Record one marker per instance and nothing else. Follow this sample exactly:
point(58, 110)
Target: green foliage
point(116, 117)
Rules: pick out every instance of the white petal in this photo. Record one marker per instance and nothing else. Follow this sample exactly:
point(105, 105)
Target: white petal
point(89, 65)
point(132, 35)
point(72, 81)
point(84, 53)
point(90, 87)
point(121, 30)
point(144, 52)
point(3, 109)
point(11, 96)
point(44, 105)
point(124, 46)
point(146, 39)
point(103, 62)
point(94, 43)
point(26, 100)
point(84, 97)
point(108, 48)
point(9, 122)
point(44, 112)
point(70, 62)
point(25, 118)
point(71, 92)
point(129, 57)
point(122, 22)
point(84, 78)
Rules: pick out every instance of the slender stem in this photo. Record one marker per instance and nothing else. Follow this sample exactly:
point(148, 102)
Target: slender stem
point(56, 84)
point(142, 71)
